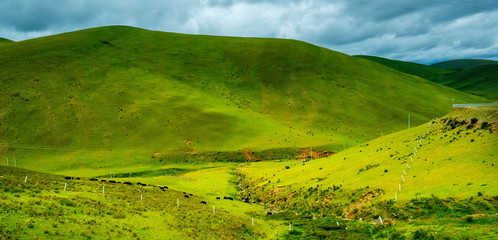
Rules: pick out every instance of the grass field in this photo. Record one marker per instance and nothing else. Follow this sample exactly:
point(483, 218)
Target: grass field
point(207, 116)
point(37, 205)
point(454, 161)
point(121, 94)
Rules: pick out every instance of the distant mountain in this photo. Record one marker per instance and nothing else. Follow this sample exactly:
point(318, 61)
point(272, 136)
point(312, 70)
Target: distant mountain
point(423, 71)
point(121, 92)
point(478, 77)
point(481, 80)
point(463, 64)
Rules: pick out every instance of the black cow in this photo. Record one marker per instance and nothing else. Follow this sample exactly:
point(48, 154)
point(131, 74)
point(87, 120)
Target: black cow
point(68, 178)
point(93, 179)
point(128, 183)
point(229, 198)
point(112, 181)
point(186, 196)
point(203, 202)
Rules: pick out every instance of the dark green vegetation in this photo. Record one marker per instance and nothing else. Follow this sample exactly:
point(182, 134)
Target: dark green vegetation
point(5, 41)
point(478, 77)
point(479, 80)
point(119, 93)
point(421, 70)
point(40, 207)
point(463, 64)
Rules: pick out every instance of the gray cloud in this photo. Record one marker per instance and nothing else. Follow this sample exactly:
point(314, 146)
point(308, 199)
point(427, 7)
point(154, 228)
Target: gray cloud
point(424, 31)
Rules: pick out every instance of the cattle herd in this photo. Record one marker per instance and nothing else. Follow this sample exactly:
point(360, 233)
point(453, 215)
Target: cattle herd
point(163, 188)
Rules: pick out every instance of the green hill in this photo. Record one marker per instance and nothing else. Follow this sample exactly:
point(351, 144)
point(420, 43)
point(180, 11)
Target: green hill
point(436, 174)
point(5, 41)
point(478, 77)
point(480, 80)
point(421, 70)
point(114, 96)
point(462, 64)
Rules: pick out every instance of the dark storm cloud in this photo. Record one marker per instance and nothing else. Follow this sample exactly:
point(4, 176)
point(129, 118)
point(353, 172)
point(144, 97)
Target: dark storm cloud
point(415, 30)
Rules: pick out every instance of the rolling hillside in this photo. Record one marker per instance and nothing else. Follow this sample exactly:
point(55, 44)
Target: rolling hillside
point(443, 170)
point(462, 64)
point(479, 80)
point(120, 94)
point(5, 41)
point(478, 77)
point(443, 149)
point(37, 205)
point(421, 70)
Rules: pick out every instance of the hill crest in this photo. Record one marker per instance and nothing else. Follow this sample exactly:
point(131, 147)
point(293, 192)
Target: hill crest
point(119, 90)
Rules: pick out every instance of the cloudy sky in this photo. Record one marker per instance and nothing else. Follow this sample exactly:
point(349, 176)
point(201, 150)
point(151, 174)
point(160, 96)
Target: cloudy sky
point(423, 31)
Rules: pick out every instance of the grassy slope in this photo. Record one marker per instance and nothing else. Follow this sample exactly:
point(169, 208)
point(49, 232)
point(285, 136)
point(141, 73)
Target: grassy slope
point(462, 64)
point(5, 41)
point(119, 94)
point(478, 77)
point(423, 71)
point(41, 208)
point(450, 162)
point(479, 80)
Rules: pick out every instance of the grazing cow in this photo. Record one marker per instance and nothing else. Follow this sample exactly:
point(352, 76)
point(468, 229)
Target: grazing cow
point(78, 178)
point(269, 213)
point(203, 202)
point(68, 178)
point(186, 196)
point(103, 180)
point(217, 197)
point(128, 183)
point(112, 181)
point(229, 198)
point(93, 179)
